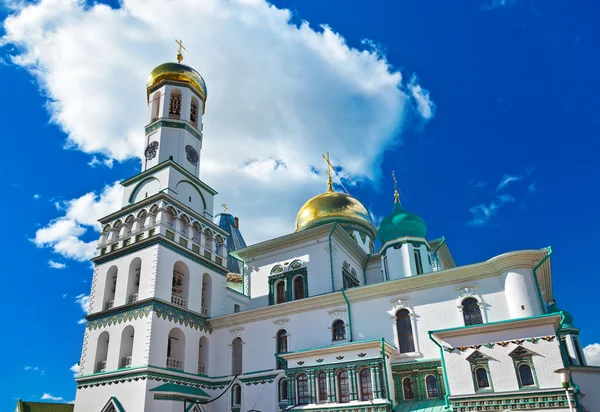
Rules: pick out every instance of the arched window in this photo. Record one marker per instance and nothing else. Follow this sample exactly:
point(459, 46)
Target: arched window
point(339, 330)
point(133, 281)
point(406, 341)
point(208, 243)
point(236, 356)
point(408, 388)
point(194, 112)
point(302, 388)
point(109, 287)
point(175, 104)
point(525, 375)
point(102, 351)
point(282, 345)
point(280, 291)
point(176, 349)
point(366, 385)
point(203, 356)
point(343, 386)
point(283, 390)
point(155, 107)
point(299, 287)
point(432, 387)
point(179, 287)
point(236, 395)
point(481, 377)
point(206, 294)
point(126, 350)
point(472, 312)
point(321, 387)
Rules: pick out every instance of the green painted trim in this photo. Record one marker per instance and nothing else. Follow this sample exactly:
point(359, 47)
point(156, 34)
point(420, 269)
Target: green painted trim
point(387, 381)
point(163, 165)
point(173, 124)
point(259, 379)
point(537, 283)
point(244, 291)
point(161, 240)
point(446, 384)
point(500, 322)
point(115, 403)
point(280, 359)
point(349, 314)
point(331, 255)
point(337, 345)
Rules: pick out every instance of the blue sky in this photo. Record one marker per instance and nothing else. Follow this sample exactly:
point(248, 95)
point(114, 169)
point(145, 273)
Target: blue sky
point(494, 142)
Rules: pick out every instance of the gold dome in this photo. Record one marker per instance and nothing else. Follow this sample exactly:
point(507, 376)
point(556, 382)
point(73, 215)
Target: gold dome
point(331, 206)
point(179, 73)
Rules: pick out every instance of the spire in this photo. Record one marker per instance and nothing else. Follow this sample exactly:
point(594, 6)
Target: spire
point(329, 169)
point(179, 50)
point(396, 194)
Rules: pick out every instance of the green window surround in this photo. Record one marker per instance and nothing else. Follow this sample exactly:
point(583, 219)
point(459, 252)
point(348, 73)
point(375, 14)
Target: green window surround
point(480, 371)
point(524, 368)
point(290, 279)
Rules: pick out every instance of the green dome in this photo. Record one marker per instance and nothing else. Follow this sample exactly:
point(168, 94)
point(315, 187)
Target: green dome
point(568, 321)
point(401, 223)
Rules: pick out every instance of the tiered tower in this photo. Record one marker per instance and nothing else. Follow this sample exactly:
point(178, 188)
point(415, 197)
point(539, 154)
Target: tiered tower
point(160, 268)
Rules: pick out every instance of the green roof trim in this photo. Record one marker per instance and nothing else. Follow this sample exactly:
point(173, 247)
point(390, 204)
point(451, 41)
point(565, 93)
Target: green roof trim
point(428, 405)
point(115, 402)
point(44, 407)
point(180, 390)
point(500, 322)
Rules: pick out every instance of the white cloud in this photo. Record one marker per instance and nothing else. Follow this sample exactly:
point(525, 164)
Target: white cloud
point(482, 213)
point(76, 369)
point(507, 180)
point(277, 92)
point(63, 234)
point(592, 354)
point(36, 196)
point(47, 396)
point(84, 301)
point(56, 265)
point(81, 321)
point(494, 4)
point(479, 185)
point(531, 189)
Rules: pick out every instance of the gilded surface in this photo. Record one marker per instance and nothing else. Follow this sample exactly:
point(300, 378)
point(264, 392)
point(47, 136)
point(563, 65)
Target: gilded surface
point(177, 72)
point(329, 206)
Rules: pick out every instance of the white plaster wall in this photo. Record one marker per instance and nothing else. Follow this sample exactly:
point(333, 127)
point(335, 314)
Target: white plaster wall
point(588, 379)
point(147, 188)
point(174, 179)
point(521, 293)
point(131, 395)
point(399, 261)
point(161, 175)
point(374, 272)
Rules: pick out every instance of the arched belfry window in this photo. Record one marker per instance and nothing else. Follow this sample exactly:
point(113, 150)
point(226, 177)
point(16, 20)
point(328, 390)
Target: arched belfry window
point(155, 106)
point(236, 356)
point(406, 341)
point(194, 112)
point(366, 385)
point(471, 312)
point(175, 104)
point(280, 291)
point(299, 287)
point(282, 345)
point(338, 330)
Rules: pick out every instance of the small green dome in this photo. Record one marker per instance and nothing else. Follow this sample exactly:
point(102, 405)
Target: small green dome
point(568, 321)
point(401, 223)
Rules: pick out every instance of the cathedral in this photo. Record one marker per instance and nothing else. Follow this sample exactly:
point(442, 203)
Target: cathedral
point(184, 316)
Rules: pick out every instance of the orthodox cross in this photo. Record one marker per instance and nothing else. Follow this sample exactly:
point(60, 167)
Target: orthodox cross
point(179, 50)
point(396, 194)
point(224, 207)
point(329, 169)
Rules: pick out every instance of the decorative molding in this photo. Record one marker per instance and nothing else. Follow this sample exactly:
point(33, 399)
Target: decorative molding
point(236, 331)
point(281, 323)
point(259, 380)
point(151, 376)
point(174, 125)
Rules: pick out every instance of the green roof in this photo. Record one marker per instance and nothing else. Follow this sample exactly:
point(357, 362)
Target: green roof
point(44, 407)
point(429, 405)
point(180, 390)
point(401, 223)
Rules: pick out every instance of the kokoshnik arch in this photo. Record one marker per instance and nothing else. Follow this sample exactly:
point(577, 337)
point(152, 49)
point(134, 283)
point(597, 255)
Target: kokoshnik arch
point(184, 315)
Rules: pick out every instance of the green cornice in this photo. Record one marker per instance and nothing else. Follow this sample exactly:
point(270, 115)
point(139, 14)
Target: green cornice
point(412, 366)
point(176, 166)
point(161, 240)
point(259, 380)
point(175, 125)
point(142, 309)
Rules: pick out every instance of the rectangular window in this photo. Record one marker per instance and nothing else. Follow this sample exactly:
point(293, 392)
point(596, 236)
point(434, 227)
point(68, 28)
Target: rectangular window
point(236, 308)
point(577, 345)
point(386, 270)
point(418, 262)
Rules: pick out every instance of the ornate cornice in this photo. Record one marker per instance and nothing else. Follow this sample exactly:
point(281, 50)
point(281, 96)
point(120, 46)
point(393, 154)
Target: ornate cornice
point(175, 125)
point(412, 366)
point(142, 309)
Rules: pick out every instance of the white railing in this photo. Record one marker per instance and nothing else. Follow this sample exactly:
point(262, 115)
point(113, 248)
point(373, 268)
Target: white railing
point(174, 363)
point(205, 311)
point(178, 300)
point(126, 362)
point(101, 366)
point(108, 305)
point(133, 298)
point(201, 369)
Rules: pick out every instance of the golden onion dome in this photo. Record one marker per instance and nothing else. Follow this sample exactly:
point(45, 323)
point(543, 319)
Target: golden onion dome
point(331, 206)
point(178, 73)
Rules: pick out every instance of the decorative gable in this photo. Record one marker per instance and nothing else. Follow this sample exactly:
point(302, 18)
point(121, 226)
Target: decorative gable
point(477, 356)
point(521, 352)
point(113, 405)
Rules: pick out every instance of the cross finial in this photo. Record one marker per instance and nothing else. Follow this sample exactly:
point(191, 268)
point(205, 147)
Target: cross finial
point(396, 194)
point(224, 207)
point(179, 50)
point(329, 169)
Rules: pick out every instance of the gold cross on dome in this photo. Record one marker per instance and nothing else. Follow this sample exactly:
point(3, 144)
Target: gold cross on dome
point(224, 207)
point(329, 169)
point(396, 194)
point(179, 50)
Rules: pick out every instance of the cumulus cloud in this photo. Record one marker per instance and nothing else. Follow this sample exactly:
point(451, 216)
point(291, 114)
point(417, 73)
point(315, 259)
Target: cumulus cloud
point(76, 369)
point(481, 214)
point(63, 234)
point(36, 196)
point(56, 265)
point(592, 354)
point(280, 94)
point(84, 302)
point(47, 396)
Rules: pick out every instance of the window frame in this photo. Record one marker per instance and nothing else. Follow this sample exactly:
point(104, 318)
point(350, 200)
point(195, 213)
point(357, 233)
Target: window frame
point(427, 386)
point(235, 402)
point(411, 388)
point(471, 313)
point(365, 396)
point(321, 378)
point(406, 344)
point(339, 379)
point(334, 337)
point(303, 395)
